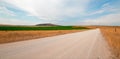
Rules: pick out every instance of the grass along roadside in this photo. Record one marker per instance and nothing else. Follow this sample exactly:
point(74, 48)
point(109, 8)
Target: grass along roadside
point(13, 36)
point(112, 35)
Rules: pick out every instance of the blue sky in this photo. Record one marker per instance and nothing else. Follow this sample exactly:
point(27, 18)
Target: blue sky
point(64, 12)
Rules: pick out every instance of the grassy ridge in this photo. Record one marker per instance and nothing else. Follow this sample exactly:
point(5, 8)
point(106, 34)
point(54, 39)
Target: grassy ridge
point(39, 28)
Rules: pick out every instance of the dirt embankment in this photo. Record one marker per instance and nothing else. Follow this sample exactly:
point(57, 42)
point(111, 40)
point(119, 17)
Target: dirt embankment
point(13, 36)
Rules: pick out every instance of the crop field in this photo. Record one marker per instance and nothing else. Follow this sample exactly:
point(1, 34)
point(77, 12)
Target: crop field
point(14, 28)
point(20, 33)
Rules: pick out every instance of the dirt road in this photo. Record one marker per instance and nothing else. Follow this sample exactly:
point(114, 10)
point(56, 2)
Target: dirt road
point(81, 45)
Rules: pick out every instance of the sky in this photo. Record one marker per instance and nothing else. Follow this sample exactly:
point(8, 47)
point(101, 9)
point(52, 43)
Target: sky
point(62, 12)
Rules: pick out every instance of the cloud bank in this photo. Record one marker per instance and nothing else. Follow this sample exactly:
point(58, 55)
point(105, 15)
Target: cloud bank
point(65, 12)
point(112, 19)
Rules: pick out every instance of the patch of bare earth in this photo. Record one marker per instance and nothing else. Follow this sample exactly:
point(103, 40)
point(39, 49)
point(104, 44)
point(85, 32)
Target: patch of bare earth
point(13, 36)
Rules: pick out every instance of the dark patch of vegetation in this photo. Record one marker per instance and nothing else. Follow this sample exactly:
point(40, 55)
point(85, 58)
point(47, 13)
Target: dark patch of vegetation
point(13, 28)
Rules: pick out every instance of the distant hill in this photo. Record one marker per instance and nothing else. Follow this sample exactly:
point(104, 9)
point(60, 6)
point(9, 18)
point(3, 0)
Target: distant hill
point(47, 24)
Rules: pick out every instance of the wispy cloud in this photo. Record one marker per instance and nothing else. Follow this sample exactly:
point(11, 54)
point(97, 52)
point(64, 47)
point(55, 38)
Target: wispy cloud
point(111, 19)
point(10, 14)
point(17, 22)
point(66, 12)
point(4, 10)
point(52, 9)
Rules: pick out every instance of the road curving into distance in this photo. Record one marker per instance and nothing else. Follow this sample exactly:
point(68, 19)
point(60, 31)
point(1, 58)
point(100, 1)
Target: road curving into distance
point(81, 45)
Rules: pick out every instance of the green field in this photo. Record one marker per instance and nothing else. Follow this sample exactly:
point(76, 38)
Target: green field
point(5, 28)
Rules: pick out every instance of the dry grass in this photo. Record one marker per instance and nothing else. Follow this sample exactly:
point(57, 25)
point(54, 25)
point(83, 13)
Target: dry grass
point(112, 36)
point(13, 36)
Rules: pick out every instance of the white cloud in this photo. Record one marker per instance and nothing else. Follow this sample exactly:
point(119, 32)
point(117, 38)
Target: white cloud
point(0, 7)
point(96, 12)
point(110, 8)
point(112, 19)
point(6, 11)
point(105, 8)
point(50, 9)
point(17, 22)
